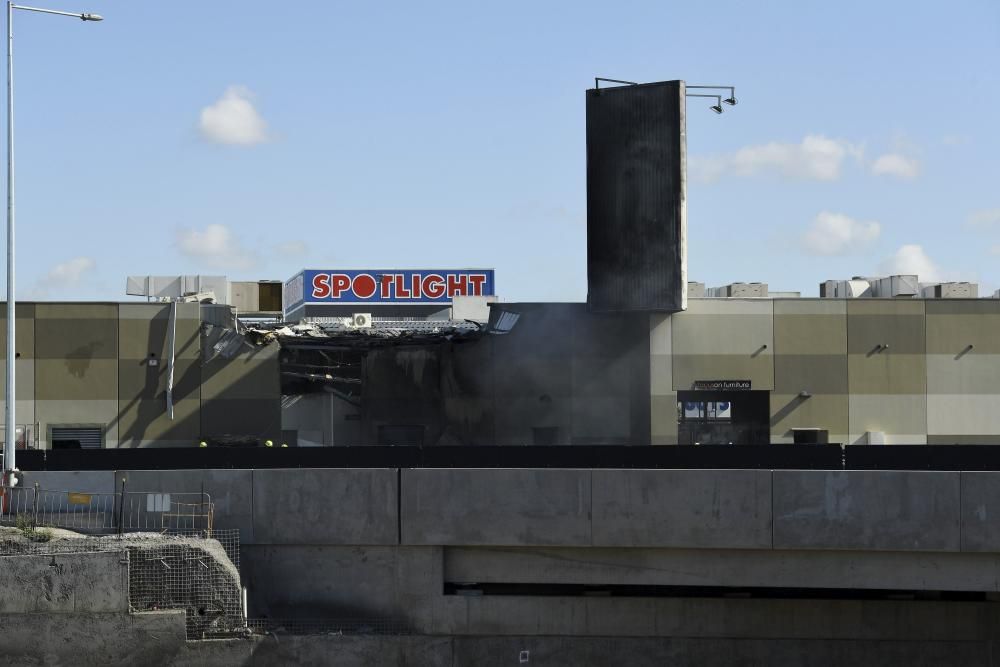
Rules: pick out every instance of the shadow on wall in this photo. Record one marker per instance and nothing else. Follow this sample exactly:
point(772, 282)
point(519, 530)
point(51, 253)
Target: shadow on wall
point(78, 360)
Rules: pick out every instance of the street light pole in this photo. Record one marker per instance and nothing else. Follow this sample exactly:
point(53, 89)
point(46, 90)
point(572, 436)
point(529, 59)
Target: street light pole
point(9, 412)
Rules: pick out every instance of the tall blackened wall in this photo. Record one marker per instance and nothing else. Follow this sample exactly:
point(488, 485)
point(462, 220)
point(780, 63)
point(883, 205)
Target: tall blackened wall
point(636, 219)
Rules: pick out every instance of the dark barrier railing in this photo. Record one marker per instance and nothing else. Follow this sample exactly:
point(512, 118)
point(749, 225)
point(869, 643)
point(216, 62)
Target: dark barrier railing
point(817, 457)
point(787, 457)
point(922, 457)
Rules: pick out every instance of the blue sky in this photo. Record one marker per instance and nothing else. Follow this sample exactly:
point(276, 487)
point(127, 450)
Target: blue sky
point(253, 139)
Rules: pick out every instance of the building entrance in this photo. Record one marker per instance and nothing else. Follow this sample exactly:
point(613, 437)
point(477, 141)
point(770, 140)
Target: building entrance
point(723, 417)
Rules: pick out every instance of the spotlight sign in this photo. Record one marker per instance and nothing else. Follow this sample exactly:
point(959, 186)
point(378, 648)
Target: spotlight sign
point(395, 286)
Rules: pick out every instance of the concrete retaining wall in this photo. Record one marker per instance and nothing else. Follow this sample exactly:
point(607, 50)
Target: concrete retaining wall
point(65, 583)
point(92, 639)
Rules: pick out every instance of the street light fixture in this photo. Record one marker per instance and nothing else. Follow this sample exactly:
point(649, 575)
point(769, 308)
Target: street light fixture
point(11, 396)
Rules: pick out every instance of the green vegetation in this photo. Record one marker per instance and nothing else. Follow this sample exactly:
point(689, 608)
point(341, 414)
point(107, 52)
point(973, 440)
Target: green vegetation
point(26, 525)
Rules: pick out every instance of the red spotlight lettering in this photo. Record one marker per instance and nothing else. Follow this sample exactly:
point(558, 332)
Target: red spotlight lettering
point(401, 291)
point(415, 285)
point(364, 286)
point(385, 280)
point(478, 281)
point(433, 286)
point(458, 285)
point(338, 283)
point(321, 286)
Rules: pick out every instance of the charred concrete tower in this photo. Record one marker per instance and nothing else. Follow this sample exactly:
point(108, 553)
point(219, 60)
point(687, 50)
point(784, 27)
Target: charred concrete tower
point(636, 191)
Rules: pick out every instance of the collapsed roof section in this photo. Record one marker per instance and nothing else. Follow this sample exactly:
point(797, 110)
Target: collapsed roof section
point(326, 354)
point(335, 334)
point(363, 332)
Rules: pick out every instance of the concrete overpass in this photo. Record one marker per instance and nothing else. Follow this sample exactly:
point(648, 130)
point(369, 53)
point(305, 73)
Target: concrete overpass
point(899, 564)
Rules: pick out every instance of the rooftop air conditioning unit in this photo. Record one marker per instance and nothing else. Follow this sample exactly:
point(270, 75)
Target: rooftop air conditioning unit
point(361, 320)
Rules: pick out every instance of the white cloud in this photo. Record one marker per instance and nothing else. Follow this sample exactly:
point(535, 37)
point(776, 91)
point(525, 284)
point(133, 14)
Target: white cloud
point(215, 247)
point(67, 275)
point(233, 120)
point(987, 217)
point(898, 165)
point(292, 249)
point(816, 158)
point(838, 234)
point(911, 259)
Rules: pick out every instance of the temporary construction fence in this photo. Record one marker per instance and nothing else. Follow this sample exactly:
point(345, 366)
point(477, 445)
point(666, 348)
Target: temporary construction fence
point(118, 512)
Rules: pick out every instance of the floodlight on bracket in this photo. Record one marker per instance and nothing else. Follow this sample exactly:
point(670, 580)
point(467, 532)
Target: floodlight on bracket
point(731, 100)
point(717, 107)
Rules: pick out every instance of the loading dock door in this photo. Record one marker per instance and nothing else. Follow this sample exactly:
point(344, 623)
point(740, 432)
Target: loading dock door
point(77, 438)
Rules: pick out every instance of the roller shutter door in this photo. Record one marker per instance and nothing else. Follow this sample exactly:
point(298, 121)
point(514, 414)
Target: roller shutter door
point(89, 438)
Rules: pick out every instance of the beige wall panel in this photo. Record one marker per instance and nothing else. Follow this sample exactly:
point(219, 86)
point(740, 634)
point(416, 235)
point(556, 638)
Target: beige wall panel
point(951, 334)
point(985, 439)
point(887, 373)
point(953, 307)
point(900, 323)
point(24, 413)
point(903, 418)
point(722, 334)
point(810, 327)
point(720, 306)
point(24, 331)
point(663, 419)
point(723, 339)
point(969, 373)
point(148, 311)
point(816, 374)
point(809, 306)
point(139, 336)
point(251, 376)
point(828, 411)
point(810, 334)
point(758, 369)
point(76, 330)
point(963, 414)
point(76, 379)
point(24, 370)
point(661, 374)
point(146, 423)
point(138, 380)
point(78, 411)
point(660, 341)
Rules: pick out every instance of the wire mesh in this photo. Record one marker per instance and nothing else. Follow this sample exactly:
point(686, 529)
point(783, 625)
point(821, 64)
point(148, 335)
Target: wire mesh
point(189, 573)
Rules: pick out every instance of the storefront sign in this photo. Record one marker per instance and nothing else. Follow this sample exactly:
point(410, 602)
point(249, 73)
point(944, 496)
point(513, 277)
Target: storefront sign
point(722, 385)
point(387, 286)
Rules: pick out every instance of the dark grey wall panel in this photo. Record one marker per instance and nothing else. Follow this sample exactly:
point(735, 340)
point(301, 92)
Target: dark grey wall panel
point(635, 197)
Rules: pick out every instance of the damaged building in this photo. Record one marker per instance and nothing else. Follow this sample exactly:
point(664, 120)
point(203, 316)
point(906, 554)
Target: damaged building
point(342, 357)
